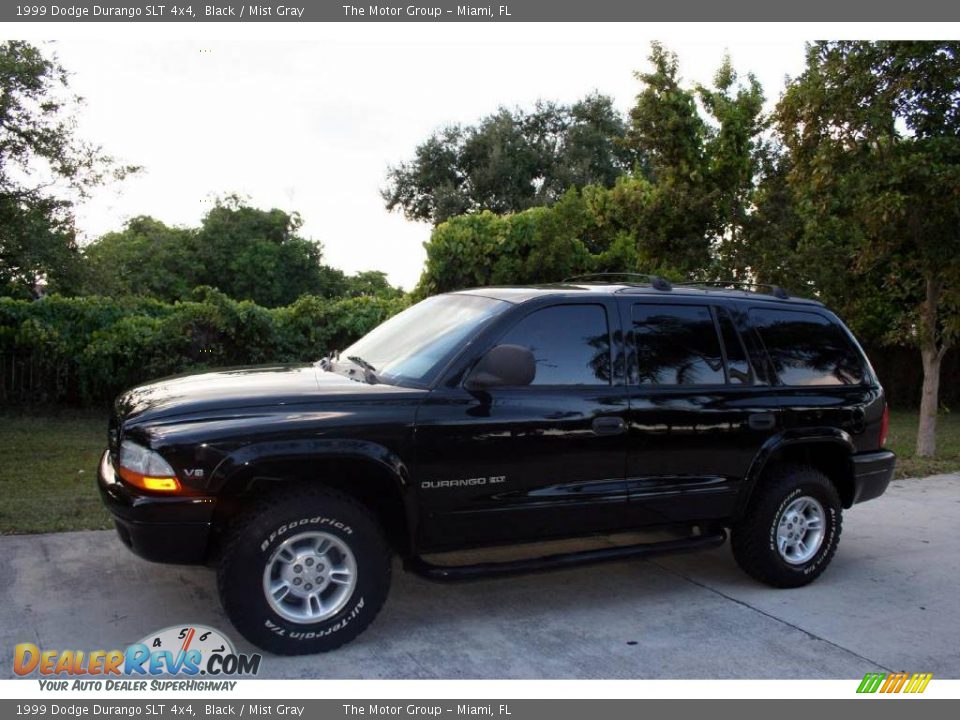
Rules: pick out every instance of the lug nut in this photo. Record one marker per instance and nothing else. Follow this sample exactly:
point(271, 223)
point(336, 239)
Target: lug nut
point(319, 567)
point(298, 568)
point(308, 586)
point(319, 580)
point(297, 581)
point(309, 562)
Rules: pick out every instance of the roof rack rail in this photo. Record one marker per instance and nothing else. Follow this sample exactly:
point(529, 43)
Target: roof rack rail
point(775, 290)
point(655, 281)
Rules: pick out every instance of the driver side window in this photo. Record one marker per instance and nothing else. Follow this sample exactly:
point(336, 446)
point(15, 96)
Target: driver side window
point(570, 344)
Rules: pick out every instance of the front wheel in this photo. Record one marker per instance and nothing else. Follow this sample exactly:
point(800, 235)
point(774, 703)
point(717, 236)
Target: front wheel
point(791, 528)
point(307, 573)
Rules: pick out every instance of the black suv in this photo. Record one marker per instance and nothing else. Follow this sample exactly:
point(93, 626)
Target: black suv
point(499, 416)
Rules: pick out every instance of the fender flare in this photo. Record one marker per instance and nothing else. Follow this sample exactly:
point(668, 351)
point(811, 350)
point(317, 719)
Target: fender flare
point(788, 438)
point(245, 459)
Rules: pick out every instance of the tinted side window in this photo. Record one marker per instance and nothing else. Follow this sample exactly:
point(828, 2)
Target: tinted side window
point(571, 344)
point(738, 369)
point(676, 345)
point(807, 348)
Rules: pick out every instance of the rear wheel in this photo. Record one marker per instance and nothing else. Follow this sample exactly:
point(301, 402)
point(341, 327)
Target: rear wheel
point(791, 529)
point(307, 573)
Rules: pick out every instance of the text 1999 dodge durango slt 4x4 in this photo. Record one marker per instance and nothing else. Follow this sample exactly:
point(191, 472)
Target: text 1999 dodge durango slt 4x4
point(497, 416)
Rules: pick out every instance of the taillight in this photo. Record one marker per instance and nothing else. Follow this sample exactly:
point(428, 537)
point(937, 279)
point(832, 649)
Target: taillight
point(884, 425)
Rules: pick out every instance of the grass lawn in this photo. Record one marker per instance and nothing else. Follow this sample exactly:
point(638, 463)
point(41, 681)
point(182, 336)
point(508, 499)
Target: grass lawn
point(48, 471)
point(48, 465)
point(903, 441)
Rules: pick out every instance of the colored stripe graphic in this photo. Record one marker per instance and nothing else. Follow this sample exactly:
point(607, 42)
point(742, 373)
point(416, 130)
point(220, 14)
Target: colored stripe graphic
point(919, 682)
point(895, 682)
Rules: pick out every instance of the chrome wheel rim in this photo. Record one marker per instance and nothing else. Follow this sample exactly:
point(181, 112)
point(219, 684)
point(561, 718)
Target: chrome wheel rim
point(800, 530)
point(310, 577)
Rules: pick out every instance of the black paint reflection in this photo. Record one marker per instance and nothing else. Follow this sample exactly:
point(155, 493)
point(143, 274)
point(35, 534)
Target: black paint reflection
point(676, 345)
point(807, 349)
point(571, 344)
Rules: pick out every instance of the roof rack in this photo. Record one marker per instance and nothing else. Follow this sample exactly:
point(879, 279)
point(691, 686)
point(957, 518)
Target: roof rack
point(655, 281)
point(775, 290)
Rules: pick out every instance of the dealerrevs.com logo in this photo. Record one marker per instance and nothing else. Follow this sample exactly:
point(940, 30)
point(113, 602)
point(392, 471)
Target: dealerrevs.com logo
point(181, 651)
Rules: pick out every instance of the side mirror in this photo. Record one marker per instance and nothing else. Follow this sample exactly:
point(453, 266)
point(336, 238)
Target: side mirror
point(503, 366)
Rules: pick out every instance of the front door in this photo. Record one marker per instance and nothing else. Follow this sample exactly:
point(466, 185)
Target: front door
point(525, 463)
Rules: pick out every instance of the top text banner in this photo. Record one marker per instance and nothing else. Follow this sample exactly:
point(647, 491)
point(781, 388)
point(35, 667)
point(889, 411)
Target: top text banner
point(508, 11)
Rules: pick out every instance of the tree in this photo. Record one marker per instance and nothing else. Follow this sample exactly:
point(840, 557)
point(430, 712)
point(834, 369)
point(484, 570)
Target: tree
point(37, 245)
point(735, 154)
point(873, 133)
point(665, 125)
point(591, 149)
point(146, 258)
point(370, 283)
point(253, 254)
point(537, 245)
point(773, 231)
point(677, 205)
point(689, 201)
point(244, 252)
point(44, 167)
point(511, 160)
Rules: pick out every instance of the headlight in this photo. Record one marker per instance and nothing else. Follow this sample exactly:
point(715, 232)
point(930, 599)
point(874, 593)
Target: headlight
point(146, 469)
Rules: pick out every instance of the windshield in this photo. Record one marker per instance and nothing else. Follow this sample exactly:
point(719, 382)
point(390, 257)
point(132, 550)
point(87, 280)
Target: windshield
point(415, 344)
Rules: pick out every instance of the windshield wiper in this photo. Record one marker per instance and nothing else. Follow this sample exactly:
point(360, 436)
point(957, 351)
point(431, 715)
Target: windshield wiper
point(369, 371)
point(326, 362)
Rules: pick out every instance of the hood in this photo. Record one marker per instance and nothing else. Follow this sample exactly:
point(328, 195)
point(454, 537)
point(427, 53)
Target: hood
point(244, 387)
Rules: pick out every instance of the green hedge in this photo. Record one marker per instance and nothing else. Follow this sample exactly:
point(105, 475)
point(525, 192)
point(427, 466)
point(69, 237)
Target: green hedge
point(86, 350)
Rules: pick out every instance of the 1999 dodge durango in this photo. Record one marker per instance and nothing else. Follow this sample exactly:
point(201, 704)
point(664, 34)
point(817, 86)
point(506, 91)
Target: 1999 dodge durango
point(500, 416)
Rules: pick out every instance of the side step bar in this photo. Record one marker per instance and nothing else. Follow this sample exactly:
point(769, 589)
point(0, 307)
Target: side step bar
point(456, 573)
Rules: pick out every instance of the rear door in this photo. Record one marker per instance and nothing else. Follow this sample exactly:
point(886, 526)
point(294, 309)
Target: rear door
point(699, 412)
point(522, 463)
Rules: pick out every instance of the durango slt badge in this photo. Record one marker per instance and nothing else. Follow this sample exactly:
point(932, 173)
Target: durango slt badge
point(466, 482)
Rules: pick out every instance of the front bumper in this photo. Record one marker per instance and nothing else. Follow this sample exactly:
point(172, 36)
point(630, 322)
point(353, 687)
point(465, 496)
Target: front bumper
point(161, 529)
point(872, 473)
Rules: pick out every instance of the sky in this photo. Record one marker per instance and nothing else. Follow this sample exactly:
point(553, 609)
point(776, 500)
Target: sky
point(310, 120)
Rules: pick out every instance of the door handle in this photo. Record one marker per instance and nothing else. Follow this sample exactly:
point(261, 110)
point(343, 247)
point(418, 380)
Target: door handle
point(762, 421)
point(609, 425)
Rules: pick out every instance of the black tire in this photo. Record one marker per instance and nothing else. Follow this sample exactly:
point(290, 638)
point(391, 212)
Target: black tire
point(754, 538)
point(256, 537)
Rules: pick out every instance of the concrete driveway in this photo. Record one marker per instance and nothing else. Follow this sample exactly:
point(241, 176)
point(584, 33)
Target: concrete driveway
point(889, 602)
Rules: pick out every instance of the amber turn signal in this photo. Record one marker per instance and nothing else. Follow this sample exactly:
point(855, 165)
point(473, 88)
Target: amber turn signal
point(148, 482)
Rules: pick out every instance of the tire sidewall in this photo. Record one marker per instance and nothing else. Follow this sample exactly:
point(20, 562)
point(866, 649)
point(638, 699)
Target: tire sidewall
point(244, 581)
point(831, 508)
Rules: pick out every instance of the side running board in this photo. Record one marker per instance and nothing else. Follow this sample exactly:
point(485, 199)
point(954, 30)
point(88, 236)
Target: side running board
point(456, 573)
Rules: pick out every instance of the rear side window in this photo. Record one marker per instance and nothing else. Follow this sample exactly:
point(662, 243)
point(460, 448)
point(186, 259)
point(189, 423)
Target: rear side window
point(676, 345)
point(570, 343)
point(807, 348)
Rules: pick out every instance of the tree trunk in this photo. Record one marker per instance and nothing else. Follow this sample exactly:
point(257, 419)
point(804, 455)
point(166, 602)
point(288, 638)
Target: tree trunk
point(927, 433)
point(932, 357)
